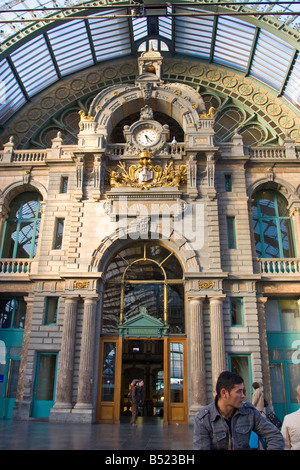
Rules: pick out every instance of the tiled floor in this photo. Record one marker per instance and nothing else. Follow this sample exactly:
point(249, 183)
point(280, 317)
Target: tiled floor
point(150, 434)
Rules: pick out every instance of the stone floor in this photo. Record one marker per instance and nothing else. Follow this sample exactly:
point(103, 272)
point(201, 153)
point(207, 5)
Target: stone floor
point(150, 434)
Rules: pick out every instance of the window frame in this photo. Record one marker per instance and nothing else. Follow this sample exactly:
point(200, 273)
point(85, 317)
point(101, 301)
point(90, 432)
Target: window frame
point(231, 299)
point(19, 220)
point(276, 219)
point(231, 232)
point(60, 221)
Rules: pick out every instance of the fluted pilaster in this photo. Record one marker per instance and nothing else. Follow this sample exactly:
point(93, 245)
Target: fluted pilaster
point(197, 361)
point(86, 365)
point(66, 360)
point(218, 361)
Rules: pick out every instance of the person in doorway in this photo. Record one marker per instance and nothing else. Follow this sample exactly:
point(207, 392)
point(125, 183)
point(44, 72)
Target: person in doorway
point(258, 397)
point(137, 398)
point(291, 427)
point(227, 422)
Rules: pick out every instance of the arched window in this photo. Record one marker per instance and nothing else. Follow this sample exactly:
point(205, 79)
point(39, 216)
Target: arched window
point(148, 276)
point(273, 229)
point(21, 230)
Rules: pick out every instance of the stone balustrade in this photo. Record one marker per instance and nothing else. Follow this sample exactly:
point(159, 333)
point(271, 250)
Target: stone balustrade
point(280, 266)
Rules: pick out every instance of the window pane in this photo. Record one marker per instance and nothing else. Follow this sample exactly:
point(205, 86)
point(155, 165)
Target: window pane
point(9, 240)
point(276, 383)
point(51, 310)
point(25, 239)
point(150, 296)
point(228, 186)
point(6, 312)
point(176, 309)
point(20, 313)
point(236, 310)
point(111, 309)
point(287, 238)
point(290, 315)
point(144, 270)
point(240, 366)
point(29, 207)
point(64, 185)
point(176, 372)
point(231, 232)
point(270, 238)
point(272, 315)
point(22, 227)
point(282, 206)
point(294, 380)
point(59, 234)
point(46, 377)
point(267, 204)
point(11, 390)
point(108, 375)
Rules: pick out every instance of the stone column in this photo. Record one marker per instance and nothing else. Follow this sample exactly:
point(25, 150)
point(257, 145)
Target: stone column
point(87, 352)
point(63, 399)
point(264, 350)
point(218, 360)
point(197, 358)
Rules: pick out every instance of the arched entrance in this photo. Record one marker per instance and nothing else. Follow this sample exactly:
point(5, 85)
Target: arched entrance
point(143, 334)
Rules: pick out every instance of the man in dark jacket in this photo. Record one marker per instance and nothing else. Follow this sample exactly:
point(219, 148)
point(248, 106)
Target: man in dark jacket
point(228, 421)
point(137, 398)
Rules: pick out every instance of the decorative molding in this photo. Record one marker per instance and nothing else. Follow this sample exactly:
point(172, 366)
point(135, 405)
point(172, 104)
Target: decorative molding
point(275, 114)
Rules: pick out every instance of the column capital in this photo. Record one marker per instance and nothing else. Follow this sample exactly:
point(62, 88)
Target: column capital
point(218, 297)
point(90, 297)
point(261, 300)
point(70, 296)
point(29, 299)
point(196, 298)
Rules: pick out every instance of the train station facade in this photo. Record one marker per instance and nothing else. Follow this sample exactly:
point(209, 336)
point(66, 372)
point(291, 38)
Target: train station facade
point(150, 249)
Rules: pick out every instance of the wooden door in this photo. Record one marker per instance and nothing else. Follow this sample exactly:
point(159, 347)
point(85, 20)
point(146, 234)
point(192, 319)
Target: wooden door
point(109, 383)
point(176, 386)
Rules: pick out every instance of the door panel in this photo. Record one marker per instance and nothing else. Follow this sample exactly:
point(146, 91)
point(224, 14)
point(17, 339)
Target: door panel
point(108, 404)
point(8, 388)
point(173, 376)
point(44, 387)
point(177, 382)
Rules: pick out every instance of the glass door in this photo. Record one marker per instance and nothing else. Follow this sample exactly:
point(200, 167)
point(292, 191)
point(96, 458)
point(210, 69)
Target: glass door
point(44, 386)
point(176, 408)
point(108, 403)
point(8, 387)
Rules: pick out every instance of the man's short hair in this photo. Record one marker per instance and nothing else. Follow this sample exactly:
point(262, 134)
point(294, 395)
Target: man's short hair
point(227, 380)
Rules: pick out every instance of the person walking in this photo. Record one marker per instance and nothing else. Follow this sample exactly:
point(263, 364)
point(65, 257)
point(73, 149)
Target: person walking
point(291, 427)
point(227, 422)
point(137, 398)
point(258, 397)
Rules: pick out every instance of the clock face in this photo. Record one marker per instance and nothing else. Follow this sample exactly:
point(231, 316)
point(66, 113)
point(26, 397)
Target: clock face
point(147, 137)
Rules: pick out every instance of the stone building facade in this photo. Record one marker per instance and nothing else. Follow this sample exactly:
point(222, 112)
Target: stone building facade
point(161, 255)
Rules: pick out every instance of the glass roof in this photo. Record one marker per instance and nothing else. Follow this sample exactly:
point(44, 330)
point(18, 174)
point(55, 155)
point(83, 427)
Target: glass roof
point(260, 39)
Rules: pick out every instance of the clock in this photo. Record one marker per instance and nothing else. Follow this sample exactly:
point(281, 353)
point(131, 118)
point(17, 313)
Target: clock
point(146, 137)
point(145, 134)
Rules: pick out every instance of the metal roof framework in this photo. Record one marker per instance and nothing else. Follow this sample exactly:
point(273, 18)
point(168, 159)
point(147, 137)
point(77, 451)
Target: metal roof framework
point(43, 41)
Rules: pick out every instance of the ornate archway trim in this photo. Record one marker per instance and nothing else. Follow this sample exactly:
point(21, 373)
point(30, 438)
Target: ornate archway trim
point(111, 244)
point(278, 184)
point(277, 114)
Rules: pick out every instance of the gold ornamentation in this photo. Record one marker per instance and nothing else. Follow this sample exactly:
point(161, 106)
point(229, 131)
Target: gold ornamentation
point(145, 175)
point(81, 284)
point(83, 116)
point(210, 114)
point(206, 284)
